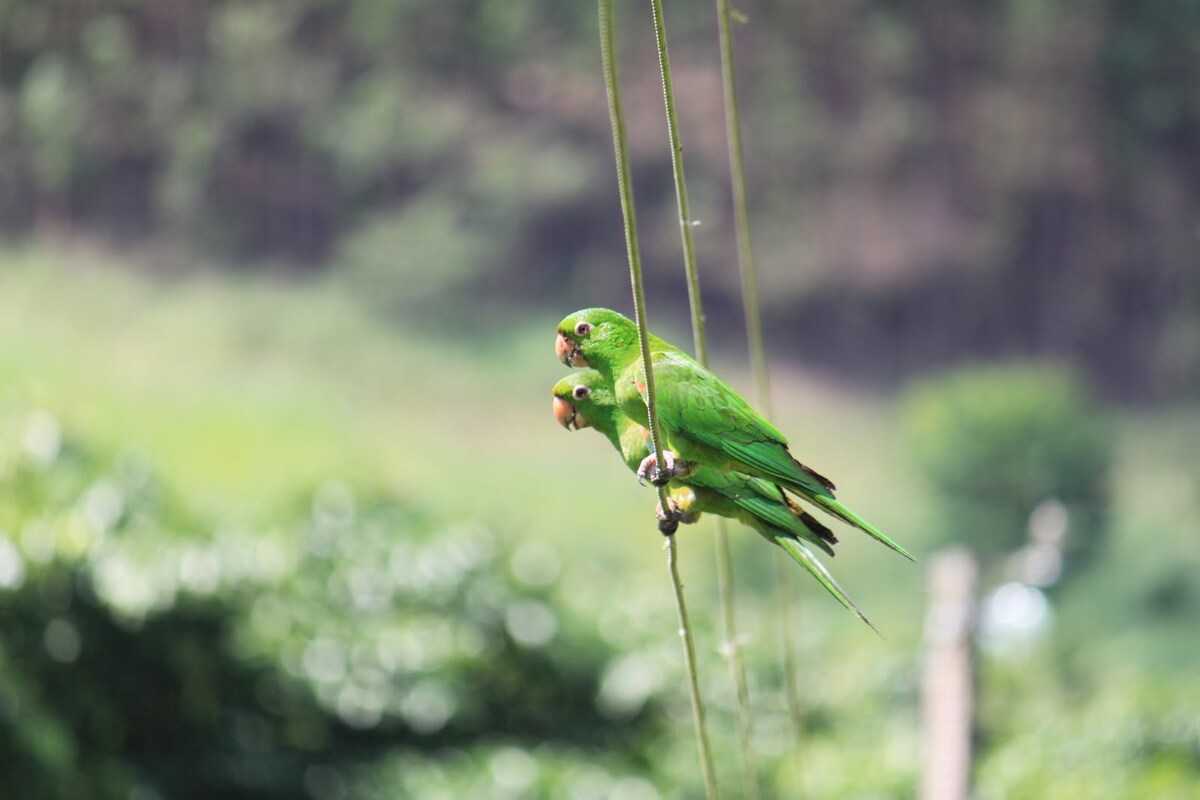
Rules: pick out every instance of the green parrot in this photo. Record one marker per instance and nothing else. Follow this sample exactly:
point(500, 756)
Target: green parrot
point(584, 400)
point(703, 420)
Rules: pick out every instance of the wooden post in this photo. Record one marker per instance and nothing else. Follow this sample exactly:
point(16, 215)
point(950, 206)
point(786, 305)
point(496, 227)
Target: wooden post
point(947, 688)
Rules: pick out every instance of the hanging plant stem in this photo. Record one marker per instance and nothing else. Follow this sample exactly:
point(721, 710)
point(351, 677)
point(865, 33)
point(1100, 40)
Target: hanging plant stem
point(624, 184)
point(731, 647)
point(754, 334)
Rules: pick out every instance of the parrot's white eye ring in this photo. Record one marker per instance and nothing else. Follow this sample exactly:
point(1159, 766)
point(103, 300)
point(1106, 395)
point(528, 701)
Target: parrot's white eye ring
point(583, 328)
point(580, 392)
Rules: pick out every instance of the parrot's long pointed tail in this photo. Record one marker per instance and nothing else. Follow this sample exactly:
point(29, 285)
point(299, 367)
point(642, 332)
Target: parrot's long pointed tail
point(834, 507)
point(804, 557)
point(776, 515)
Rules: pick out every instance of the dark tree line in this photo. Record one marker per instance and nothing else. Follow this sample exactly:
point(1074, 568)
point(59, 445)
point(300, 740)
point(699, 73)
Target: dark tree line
point(931, 180)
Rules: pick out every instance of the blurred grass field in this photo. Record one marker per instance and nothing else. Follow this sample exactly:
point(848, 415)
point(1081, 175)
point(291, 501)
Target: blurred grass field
point(245, 394)
point(242, 391)
point(245, 391)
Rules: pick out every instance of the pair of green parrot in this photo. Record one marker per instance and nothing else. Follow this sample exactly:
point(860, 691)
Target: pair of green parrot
point(720, 455)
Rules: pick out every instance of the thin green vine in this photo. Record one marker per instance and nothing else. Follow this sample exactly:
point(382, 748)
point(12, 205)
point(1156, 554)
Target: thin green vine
point(731, 647)
point(624, 183)
point(754, 334)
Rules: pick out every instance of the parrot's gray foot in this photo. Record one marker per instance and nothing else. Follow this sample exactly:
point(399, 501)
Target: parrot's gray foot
point(649, 469)
point(669, 519)
point(675, 514)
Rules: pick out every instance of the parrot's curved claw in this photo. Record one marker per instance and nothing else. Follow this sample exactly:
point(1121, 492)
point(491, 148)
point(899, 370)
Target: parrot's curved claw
point(649, 463)
point(676, 514)
point(660, 476)
point(668, 521)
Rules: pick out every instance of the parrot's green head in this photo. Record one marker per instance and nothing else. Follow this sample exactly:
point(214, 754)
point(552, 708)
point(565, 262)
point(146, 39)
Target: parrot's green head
point(597, 337)
point(584, 400)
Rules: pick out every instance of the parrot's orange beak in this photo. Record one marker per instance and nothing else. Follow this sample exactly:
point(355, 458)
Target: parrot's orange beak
point(563, 412)
point(567, 415)
point(568, 352)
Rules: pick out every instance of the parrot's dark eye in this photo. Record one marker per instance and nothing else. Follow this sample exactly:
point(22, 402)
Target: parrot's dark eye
point(583, 328)
point(581, 392)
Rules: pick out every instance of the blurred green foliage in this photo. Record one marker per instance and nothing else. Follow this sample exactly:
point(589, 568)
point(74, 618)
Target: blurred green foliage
point(1136, 739)
point(144, 656)
point(258, 130)
point(402, 259)
point(998, 441)
point(239, 555)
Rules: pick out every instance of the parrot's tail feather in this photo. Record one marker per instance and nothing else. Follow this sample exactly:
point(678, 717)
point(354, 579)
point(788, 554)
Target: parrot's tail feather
point(818, 477)
point(810, 522)
point(804, 557)
point(780, 519)
point(834, 507)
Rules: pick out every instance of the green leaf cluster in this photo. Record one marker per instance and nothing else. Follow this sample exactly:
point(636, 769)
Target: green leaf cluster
point(997, 441)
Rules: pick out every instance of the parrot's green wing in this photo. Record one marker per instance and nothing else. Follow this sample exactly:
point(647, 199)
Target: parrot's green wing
point(755, 501)
point(695, 404)
point(773, 520)
point(777, 515)
point(708, 421)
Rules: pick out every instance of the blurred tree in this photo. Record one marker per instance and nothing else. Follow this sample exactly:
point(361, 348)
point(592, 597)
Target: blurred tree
point(929, 181)
point(997, 442)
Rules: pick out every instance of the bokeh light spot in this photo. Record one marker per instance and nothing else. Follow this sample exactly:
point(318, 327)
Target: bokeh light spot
point(62, 641)
point(536, 564)
point(12, 566)
point(531, 623)
point(43, 438)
